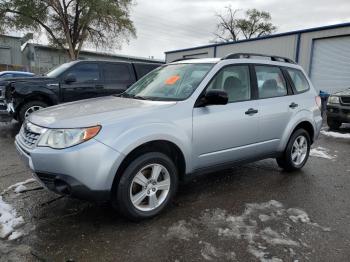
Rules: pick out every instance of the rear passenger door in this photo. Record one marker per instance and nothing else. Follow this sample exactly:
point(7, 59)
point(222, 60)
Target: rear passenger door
point(117, 77)
point(274, 101)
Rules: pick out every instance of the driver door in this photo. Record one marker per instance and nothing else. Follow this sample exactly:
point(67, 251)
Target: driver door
point(88, 83)
point(227, 133)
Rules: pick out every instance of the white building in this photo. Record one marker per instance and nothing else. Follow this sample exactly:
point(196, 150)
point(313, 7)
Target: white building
point(324, 52)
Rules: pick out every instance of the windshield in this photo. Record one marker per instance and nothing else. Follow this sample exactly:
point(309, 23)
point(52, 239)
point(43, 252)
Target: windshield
point(174, 82)
point(59, 70)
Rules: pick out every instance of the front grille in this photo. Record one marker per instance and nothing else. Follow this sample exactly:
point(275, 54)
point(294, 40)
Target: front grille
point(30, 134)
point(345, 100)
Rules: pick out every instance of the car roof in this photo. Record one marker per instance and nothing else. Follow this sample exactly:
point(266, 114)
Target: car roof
point(236, 61)
point(15, 72)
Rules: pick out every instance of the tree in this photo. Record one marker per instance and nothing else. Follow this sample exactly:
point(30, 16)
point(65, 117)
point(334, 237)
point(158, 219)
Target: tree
point(69, 24)
point(255, 24)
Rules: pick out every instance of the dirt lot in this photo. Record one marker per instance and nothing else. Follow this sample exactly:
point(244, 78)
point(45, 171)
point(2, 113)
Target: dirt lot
point(253, 212)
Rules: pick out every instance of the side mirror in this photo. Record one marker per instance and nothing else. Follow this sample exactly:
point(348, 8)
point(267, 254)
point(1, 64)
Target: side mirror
point(70, 78)
point(213, 97)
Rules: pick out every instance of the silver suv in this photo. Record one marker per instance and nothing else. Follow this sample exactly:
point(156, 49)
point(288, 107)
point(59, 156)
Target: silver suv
point(186, 117)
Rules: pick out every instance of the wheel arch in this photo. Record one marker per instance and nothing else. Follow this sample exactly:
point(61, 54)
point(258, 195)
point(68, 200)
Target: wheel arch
point(167, 147)
point(304, 123)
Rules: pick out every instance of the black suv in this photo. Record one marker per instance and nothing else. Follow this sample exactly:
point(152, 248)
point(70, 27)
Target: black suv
point(71, 81)
point(338, 109)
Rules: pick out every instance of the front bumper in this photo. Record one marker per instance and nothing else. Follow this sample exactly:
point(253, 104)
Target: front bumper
point(339, 112)
point(85, 171)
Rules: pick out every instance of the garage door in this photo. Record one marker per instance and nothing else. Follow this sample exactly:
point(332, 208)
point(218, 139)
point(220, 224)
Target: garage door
point(5, 55)
point(330, 68)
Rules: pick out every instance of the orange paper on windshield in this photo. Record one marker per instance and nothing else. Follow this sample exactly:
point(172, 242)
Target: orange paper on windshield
point(172, 80)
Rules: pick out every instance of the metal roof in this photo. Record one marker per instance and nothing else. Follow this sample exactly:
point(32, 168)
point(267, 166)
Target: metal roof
point(87, 52)
point(314, 29)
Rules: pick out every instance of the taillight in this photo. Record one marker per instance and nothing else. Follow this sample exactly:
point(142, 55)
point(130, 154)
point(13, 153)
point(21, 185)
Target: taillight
point(318, 101)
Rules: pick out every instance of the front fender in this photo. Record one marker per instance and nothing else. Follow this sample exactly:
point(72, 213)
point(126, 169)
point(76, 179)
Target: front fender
point(21, 93)
point(134, 137)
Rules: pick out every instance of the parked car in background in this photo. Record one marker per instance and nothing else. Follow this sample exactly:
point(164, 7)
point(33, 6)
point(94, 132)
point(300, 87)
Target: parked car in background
point(69, 82)
point(338, 109)
point(184, 118)
point(14, 74)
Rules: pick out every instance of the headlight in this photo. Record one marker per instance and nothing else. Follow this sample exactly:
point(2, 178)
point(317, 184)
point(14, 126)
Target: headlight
point(333, 100)
point(63, 138)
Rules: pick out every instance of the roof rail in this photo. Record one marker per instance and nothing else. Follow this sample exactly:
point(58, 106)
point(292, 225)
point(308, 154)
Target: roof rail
point(184, 58)
point(249, 55)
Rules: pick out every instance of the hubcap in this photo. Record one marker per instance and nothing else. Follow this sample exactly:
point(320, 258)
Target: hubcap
point(299, 150)
point(150, 187)
point(31, 110)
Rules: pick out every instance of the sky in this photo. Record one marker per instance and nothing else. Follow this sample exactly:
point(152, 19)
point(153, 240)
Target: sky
point(166, 25)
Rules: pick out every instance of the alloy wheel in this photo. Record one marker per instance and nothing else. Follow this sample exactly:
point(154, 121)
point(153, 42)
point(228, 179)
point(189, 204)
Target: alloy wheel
point(31, 110)
point(150, 187)
point(299, 150)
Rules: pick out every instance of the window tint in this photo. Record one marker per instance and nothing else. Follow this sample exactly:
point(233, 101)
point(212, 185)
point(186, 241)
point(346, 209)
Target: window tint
point(143, 69)
point(117, 72)
point(299, 80)
point(235, 80)
point(7, 75)
point(86, 72)
point(271, 82)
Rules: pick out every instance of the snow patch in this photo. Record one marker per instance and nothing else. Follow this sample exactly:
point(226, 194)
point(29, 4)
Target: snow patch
point(15, 235)
point(321, 152)
point(9, 220)
point(269, 231)
point(209, 252)
point(19, 187)
point(262, 255)
point(180, 230)
point(335, 134)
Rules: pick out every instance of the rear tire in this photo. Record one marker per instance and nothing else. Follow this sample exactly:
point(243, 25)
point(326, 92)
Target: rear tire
point(333, 124)
point(29, 108)
point(146, 186)
point(297, 151)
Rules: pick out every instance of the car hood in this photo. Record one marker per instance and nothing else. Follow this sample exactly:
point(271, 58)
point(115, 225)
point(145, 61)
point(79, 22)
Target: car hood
point(95, 111)
point(343, 93)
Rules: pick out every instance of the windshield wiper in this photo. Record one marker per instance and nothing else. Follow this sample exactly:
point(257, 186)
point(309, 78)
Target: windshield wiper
point(140, 97)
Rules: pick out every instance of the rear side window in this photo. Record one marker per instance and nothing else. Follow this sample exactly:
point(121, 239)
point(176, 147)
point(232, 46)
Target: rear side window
point(117, 72)
point(271, 82)
point(299, 80)
point(86, 72)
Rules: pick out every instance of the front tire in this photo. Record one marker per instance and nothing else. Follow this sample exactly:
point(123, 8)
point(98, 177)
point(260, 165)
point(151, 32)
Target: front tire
point(297, 151)
point(146, 186)
point(29, 108)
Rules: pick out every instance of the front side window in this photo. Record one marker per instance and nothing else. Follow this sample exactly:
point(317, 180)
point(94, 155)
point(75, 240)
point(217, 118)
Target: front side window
point(86, 72)
point(271, 82)
point(235, 80)
point(299, 80)
point(174, 82)
point(57, 71)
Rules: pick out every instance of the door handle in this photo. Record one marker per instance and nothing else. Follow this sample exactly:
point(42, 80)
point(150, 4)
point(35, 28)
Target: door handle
point(293, 105)
point(251, 111)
